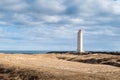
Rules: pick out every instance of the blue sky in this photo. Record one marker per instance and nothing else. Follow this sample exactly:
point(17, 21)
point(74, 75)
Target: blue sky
point(53, 25)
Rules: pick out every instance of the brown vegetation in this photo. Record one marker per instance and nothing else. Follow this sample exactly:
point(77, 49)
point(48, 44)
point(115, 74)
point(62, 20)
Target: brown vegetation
point(53, 67)
point(113, 60)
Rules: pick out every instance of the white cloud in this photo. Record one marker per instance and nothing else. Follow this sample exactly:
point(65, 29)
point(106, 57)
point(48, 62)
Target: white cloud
point(53, 19)
point(64, 32)
point(13, 5)
point(10, 2)
point(22, 18)
point(110, 6)
point(49, 6)
point(93, 7)
point(3, 23)
point(44, 11)
point(57, 21)
point(77, 21)
point(105, 31)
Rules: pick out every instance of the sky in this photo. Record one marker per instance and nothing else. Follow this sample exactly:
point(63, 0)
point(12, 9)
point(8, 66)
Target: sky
point(53, 24)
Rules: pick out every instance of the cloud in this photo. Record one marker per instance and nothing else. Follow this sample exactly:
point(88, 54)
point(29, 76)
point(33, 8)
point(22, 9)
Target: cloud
point(111, 6)
point(56, 22)
point(106, 30)
point(93, 7)
point(55, 11)
point(12, 5)
point(3, 23)
point(51, 19)
point(53, 6)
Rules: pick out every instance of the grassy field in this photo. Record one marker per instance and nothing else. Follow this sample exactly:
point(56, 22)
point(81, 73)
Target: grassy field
point(59, 67)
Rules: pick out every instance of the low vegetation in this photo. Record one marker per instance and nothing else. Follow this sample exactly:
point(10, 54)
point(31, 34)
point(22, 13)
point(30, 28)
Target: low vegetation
point(59, 67)
point(107, 59)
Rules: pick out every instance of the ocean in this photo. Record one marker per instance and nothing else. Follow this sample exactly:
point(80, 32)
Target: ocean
point(23, 52)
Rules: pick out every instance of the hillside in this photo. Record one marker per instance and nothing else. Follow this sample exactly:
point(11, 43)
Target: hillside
point(58, 67)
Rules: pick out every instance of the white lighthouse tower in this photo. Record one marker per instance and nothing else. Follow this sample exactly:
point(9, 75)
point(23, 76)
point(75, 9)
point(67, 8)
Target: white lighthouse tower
point(80, 41)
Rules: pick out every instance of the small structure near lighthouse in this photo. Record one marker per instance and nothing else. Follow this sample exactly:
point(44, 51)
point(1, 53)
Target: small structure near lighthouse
point(80, 41)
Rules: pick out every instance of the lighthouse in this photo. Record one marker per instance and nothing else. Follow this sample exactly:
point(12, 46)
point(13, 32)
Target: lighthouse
point(80, 41)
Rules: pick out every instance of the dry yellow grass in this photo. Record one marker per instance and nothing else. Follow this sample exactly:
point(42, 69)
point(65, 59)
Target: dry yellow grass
point(48, 66)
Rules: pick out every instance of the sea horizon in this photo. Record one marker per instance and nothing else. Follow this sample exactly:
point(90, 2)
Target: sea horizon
point(41, 51)
point(24, 51)
point(32, 51)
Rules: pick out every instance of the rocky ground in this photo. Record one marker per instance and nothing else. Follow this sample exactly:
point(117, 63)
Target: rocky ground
point(59, 67)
